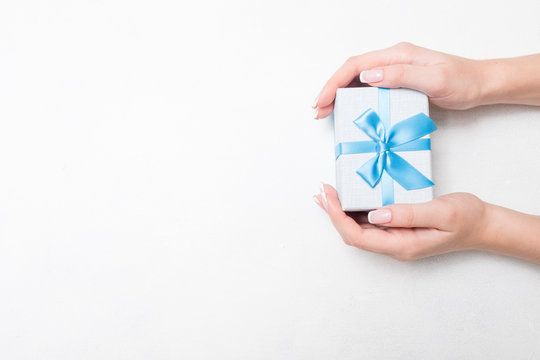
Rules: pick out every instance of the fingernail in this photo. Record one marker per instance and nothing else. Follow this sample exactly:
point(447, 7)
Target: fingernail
point(316, 114)
point(323, 196)
point(315, 102)
point(381, 216)
point(371, 76)
point(317, 202)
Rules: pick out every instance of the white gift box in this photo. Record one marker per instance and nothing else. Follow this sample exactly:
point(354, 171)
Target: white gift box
point(354, 192)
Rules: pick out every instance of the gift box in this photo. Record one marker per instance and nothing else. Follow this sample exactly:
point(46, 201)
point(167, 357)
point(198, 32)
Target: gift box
point(383, 148)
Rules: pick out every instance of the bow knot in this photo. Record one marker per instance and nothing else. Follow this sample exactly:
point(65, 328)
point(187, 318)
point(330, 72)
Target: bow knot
point(382, 147)
point(406, 135)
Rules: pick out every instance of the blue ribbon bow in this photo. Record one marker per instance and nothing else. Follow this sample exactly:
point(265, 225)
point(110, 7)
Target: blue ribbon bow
point(404, 136)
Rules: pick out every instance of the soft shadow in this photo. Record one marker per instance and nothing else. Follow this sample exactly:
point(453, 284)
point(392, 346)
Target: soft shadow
point(459, 258)
point(463, 118)
point(455, 122)
point(359, 216)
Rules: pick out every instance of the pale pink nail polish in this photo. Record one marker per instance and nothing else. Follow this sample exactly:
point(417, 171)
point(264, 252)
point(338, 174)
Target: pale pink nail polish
point(315, 102)
point(371, 76)
point(323, 197)
point(316, 114)
point(381, 216)
point(318, 202)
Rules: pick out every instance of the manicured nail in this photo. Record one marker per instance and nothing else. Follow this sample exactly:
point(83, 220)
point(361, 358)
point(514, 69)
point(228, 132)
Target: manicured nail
point(381, 216)
point(371, 76)
point(318, 202)
point(316, 114)
point(323, 197)
point(315, 102)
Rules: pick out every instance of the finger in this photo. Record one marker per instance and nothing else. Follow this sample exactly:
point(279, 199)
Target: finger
point(423, 78)
point(433, 214)
point(318, 200)
point(324, 111)
point(400, 53)
point(371, 239)
point(346, 226)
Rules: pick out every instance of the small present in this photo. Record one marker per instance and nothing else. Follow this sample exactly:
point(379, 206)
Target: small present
point(383, 149)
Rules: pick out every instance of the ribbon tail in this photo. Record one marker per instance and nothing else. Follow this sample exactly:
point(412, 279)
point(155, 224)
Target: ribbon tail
point(355, 147)
point(405, 174)
point(372, 170)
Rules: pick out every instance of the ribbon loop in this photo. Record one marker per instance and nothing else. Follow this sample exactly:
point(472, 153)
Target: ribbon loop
point(410, 129)
point(370, 123)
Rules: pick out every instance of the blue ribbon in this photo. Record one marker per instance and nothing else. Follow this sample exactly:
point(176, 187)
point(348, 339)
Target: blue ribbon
point(386, 164)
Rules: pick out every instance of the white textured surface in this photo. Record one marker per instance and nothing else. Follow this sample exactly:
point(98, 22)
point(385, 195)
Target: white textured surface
point(354, 193)
point(158, 160)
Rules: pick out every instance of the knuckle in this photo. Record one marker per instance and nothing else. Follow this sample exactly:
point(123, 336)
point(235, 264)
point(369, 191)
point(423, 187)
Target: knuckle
point(347, 240)
point(358, 243)
point(451, 210)
point(401, 258)
point(406, 256)
point(351, 60)
point(459, 206)
point(404, 46)
point(355, 240)
point(395, 75)
point(408, 217)
point(470, 198)
point(399, 74)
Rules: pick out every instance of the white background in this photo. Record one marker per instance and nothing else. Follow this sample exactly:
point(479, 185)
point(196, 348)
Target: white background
point(157, 164)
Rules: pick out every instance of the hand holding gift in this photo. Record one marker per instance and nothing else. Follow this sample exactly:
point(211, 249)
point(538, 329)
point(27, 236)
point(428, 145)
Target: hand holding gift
point(450, 82)
point(451, 222)
point(413, 228)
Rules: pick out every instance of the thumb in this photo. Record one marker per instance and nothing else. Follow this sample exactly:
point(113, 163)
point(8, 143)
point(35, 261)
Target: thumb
point(422, 78)
point(433, 214)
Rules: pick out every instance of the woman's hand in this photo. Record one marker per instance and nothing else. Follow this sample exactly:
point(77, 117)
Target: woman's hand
point(450, 82)
point(451, 222)
point(410, 231)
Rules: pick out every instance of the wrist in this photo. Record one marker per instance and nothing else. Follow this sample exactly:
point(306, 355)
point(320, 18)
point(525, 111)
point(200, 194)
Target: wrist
point(493, 81)
point(510, 81)
point(511, 233)
point(477, 235)
point(487, 230)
